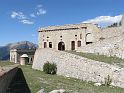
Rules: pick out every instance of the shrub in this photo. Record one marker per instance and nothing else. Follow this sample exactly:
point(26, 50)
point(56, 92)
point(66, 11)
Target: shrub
point(50, 68)
point(108, 81)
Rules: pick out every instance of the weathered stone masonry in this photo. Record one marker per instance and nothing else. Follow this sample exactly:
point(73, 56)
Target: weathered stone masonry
point(67, 37)
point(71, 65)
point(6, 75)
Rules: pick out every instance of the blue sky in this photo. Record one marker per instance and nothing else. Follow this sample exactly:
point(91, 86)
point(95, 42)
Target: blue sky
point(20, 19)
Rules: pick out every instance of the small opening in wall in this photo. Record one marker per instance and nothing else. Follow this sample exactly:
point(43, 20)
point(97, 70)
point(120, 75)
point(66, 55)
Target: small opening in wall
point(60, 36)
point(31, 59)
point(50, 44)
point(47, 37)
point(79, 43)
point(45, 44)
point(80, 36)
point(75, 35)
point(88, 43)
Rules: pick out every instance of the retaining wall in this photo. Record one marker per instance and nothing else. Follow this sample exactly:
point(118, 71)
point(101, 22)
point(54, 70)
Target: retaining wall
point(71, 65)
point(6, 75)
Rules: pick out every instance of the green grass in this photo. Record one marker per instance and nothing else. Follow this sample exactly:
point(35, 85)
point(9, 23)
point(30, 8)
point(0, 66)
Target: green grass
point(5, 63)
point(102, 58)
point(37, 79)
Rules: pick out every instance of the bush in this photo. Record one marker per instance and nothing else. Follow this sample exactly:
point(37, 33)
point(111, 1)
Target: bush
point(108, 81)
point(50, 68)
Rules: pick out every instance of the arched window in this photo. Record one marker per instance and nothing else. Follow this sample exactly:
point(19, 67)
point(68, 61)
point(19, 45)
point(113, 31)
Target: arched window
point(89, 38)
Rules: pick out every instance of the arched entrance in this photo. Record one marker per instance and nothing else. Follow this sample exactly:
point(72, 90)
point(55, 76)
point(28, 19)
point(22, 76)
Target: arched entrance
point(61, 46)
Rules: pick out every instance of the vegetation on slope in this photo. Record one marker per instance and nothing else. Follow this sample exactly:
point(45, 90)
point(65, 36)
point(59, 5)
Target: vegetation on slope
point(38, 79)
point(101, 58)
point(5, 63)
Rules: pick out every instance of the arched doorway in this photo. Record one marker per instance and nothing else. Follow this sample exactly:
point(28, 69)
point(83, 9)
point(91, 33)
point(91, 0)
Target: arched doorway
point(61, 46)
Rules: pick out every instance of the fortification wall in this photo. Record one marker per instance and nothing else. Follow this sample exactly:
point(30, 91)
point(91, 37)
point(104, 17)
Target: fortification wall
point(109, 32)
point(71, 65)
point(6, 75)
point(111, 45)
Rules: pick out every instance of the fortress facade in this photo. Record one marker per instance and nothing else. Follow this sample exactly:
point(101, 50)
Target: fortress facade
point(82, 38)
point(15, 55)
point(67, 37)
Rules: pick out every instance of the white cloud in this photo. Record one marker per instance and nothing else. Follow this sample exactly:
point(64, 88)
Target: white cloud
point(33, 35)
point(27, 22)
point(41, 12)
point(104, 20)
point(39, 6)
point(32, 15)
point(14, 14)
point(18, 15)
point(27, 19)
point(21, 17)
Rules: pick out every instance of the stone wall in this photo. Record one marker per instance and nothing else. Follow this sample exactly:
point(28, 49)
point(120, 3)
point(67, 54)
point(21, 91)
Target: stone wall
point(109, 32)
point(6, 75)
point(67, 34)
point(111, 45)
point(71, 65)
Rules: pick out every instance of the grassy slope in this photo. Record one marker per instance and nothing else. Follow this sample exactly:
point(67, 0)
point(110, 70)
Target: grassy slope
point(37, 79)
point(4, 63)
point(102, 58)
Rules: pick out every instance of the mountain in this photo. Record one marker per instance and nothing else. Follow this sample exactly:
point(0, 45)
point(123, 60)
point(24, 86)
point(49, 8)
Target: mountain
point(4, 50)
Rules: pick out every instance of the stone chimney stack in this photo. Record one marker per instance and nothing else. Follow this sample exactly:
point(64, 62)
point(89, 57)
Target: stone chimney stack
point(122, 20)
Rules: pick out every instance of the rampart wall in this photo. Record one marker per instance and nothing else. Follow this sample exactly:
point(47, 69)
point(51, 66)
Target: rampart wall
point(6, 75)
point(71, 65)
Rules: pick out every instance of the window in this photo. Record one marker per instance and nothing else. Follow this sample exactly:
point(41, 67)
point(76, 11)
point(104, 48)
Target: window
point(31, 59)
point(79, 43)
point(80, 36)
point(50, 44)
point(45, 45)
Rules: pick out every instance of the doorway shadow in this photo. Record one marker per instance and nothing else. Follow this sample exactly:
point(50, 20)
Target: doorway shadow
point(18, 84)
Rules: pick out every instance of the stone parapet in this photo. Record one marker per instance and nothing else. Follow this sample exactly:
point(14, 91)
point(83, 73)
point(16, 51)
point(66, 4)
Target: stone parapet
point(6, 75)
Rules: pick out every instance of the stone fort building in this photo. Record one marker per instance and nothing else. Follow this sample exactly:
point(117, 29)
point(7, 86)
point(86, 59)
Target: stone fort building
point(67, 37)
point(15, 55)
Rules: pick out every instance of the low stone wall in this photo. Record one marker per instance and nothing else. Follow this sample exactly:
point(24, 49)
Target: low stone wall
point(6, 75)
point(71, 65)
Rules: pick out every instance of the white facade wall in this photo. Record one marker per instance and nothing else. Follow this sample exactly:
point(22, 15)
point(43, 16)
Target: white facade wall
point(68, 35)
